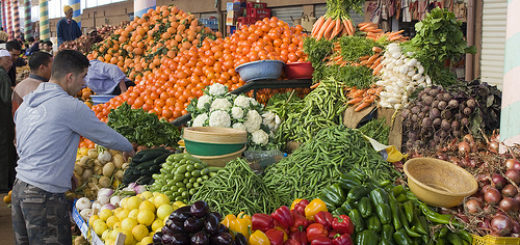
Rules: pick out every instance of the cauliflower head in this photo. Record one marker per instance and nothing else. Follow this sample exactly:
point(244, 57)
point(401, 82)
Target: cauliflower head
point(237, 112)
point(260, 137)
point(253, 121)
point(242, 101)
point(200, 120)
point(219, 119)
point(202, 101)
point(217, 89)
point(239, 126)
point(220, 104)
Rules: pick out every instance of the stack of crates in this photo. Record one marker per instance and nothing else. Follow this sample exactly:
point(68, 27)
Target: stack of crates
point(241, 13)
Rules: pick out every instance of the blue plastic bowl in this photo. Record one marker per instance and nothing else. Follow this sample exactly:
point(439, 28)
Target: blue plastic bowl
point(101, 99)
point(260, 70)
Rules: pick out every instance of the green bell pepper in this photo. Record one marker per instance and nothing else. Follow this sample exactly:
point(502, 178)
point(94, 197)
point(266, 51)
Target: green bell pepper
point(394, 207)
point(365, 207)
point(357, 193)
point(348, 181)
point(356, 219)
point(374, 224)
point(333, 196)
point(401, 238)
point(380, 200)
point(387, 232)
point(367, 237)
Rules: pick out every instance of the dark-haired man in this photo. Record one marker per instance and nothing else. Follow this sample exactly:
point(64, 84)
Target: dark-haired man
point(40, 64)
point(47, 46)
point(48, 125)
point(7, 150)
point(34, 45)
point(15, 49)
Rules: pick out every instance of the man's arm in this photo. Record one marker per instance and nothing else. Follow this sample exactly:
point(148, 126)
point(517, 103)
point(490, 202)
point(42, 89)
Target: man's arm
point(59, 30)
point(5, 89)
point(122, 86)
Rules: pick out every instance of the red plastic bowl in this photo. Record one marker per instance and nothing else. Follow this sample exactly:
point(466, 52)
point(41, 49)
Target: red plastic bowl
point(299, 70)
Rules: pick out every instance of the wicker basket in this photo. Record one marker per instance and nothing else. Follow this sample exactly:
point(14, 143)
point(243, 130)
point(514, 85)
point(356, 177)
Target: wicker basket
point(493, 240)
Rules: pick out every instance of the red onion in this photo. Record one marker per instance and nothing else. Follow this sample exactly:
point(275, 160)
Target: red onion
point(509, 191)
point(508, 205)
point(474, 206)
point(499, 181)
point(463, 147)
point(493, 146)
point(484, 225)
point(492, 195)
point(485, 188)
point(516, 166)
point(501, 225)
point(510, 163)
point(516, 226)
point(469, 138)
point(483, 180)
point(517, 199)
point(513, 175)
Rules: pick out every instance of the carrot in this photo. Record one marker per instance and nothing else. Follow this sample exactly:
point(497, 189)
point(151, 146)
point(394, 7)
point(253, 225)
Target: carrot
point(315, 85)
point(351, 92)
point(335, 30)
point(372, 59)
point(378, 68)
point(377, 62)
point(369, 99)
point(362, 106)
point(354, 101)
point(317, 25)
point(396, 33)
point(364, 57)
point(369, 25)
point(371, 91)
point(351, 27)
point(323, 28)
point(358, 93)
point(347, 27)
point(377, 30)
point(364, 62)
point(329, 30)
point(363, 23)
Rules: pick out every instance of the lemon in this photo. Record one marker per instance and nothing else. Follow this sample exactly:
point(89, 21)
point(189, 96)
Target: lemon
point(105, 234)
point(151, 234)
point(147, 240)
point(123, 214)
point(139, 231)
point(133, 213)
point(123, 201)
point(92, 219)
point(146, 195)
point(145, 217)
point(105, 213)
point(179, 204)
point(117, 210)
point(164, 211)
point(157, 224)
point(133, 203)
point(129, 240)
point(99, 227)
point(147, 205)
point(128, 224)
point(117, 226)
point(113, 235)
point(161, 199)
point(111, 221)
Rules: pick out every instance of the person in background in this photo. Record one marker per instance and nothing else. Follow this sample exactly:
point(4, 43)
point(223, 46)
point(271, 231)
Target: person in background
point(40, 64)
point(104, 78)
point(49, 124)
point(34, 45)
point(67, 28)
point(47, 46)
point(15, 49)
point(7, 149)
point(3, 35)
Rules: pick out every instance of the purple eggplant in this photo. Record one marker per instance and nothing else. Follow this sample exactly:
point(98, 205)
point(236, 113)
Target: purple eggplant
point(180, 239)
point(223, 238)
point(193, 224)
point(211, 224)
point(216, 215)
point(222, 229)
point(181, 214)
point(200, 238)
point(240, 239)
point(174, 226)
point(157, 237)
point(199, 209)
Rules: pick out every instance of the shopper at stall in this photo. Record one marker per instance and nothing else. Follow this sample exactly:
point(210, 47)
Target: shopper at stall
point(48, 127)
point(104, 78)
point(7, 150)
point(15, 49)
point(33, 46)
point(67, 28)
point(40, 64)
point(47, 47)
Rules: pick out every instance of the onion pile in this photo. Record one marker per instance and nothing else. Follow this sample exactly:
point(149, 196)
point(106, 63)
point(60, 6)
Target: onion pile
point(84, 43)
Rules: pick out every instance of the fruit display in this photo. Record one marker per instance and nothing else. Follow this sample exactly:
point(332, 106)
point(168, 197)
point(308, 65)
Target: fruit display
point(85, 43)
point(180, 177)
point(144, 164)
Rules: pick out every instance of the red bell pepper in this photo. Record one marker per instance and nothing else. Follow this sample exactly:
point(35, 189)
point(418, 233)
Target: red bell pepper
point(300, 207)
point(283, 216)
point(261, 222)
point(300, 222)
point(321, 241)
point(275, 236)
point(299, 236)
point(316, 230)
point(343, 225)
point(342, 240)
point(333, 234)
point(324, 218)
point(291, 242)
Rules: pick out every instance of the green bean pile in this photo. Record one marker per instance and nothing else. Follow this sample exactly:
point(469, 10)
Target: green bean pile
point(320, 161)
point(237, 188)
point(322, 108)
point(376, 129)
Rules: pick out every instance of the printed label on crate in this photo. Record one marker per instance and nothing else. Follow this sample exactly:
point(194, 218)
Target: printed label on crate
point(83, 227)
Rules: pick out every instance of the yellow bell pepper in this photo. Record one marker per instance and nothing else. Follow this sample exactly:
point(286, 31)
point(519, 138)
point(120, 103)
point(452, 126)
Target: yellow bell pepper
point(228, 219)
point(259, 238)
point(239, 225)
point(295, 202)
point(314, 207)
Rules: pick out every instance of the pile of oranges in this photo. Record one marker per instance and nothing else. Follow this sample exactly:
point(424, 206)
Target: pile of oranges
point(179, 78)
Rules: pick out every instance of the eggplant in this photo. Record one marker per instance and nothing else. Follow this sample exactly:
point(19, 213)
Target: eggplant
point(178, 239)
point(211, 223)
point(223, 238)
point(181, 214)
point(157, 237)
point(216, 215)
point(240, 239)
point(193, 224)
point(222, 228)
point(174, 226)
point(199, 209)
point(200, 238)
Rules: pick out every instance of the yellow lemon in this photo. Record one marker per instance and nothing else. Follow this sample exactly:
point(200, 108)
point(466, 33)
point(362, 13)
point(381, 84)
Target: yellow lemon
point(145, 217)
point(111, 221)
point(123, 201)
point(92, 219)
point(147, 205)
point(117, 225)
point(133, 213)
point(113, 235)
point(157, 224)
point(146, 195)
point(133, 203)
point(129, 240)
point(164, 211)
point(105, 213)
point(161, 199)
point(139, 231)
point(105, 234)
point(147, 240)
point(128, 224)
point(123, 214)
point(179, 204)
point(99, 227)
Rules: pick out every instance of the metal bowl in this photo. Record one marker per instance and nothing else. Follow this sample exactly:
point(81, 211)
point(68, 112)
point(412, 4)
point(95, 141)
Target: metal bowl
point(260, 70)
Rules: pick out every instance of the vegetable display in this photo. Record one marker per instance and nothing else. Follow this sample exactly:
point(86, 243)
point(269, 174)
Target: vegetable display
point(336, 22)
point(180, 177)
point(144, 164)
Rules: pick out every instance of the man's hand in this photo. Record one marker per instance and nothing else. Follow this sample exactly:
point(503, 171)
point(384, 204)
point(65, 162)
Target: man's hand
point(74, 183)
point(126, 155)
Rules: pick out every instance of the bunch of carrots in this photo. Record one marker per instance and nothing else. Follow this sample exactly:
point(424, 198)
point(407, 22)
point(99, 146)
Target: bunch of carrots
point(363, 98)
point(371, 61)
point(336, 22)
point(373, 32)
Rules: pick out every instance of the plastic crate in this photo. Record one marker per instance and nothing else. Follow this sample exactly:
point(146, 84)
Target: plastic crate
point(493, 240)
point(257, 13)
point(253, 5)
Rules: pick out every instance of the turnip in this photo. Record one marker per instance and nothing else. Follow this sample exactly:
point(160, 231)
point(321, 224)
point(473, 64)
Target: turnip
point(118, 160)
point(108, 169)
point(104, 181)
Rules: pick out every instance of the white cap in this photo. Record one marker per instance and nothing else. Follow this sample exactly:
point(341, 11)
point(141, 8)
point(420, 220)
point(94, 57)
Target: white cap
point(4, 53)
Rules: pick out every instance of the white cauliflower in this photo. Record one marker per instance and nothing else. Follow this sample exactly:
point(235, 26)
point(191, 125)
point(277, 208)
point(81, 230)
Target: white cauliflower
point(260, 137)
point(242, 101)
point(202, 101)
point(253, 121)
point(239, 126)
point(219, 119)
point(220, 104)
point(200, 120)
point(253, 101)
point(270, 120)
point(217, 89)
point(237, 112)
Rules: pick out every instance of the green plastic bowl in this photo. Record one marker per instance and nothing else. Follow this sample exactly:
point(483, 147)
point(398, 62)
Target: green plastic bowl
point(211, 149)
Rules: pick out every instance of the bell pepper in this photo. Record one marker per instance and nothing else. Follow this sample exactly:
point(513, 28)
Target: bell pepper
point(285, 232)
point(324, 218)
point(374, 224)
point(348, 181)
point(387, 232)
point(321, 241)
point(262, 222)
point(357, 220)
point(333, 234)
point(344, 239)
point(291, 242)
point(300, 206)
point(401, 238)
point(275, 236)
point(296, 201)
point(365, 207)
point(300, 222)
point(300, 237)
point(241, 226)
point(228, 219)
point(380, 200)
point(367, 237)
point(333, 196)
point(316, 230)
point(259, 238)
point(314, 207)
point(357, 193)
point(283, 216)
point(343, 225)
